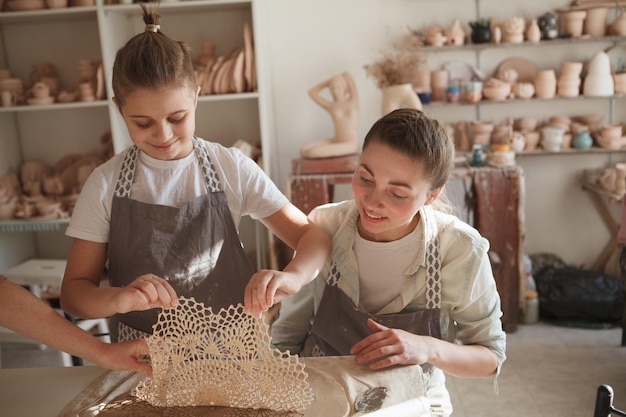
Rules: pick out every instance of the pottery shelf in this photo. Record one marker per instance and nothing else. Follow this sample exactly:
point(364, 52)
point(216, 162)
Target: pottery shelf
point(55, 106)
point(104, 103)
point(47, 15)
point(21, 226)
point(553, 42)
point(542, 152)
point(486, 102)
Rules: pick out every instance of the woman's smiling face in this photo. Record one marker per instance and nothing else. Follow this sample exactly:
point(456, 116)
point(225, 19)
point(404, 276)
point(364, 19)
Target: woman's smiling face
point(389, 188)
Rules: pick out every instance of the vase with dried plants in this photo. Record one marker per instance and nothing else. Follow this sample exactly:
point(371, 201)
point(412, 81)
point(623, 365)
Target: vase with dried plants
point(395, 73)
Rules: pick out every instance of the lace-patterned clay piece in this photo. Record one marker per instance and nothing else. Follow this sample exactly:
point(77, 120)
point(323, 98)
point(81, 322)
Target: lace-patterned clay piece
point(204, 359)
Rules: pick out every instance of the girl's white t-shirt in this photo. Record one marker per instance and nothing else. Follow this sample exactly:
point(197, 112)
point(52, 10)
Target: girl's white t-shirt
point(248, 190)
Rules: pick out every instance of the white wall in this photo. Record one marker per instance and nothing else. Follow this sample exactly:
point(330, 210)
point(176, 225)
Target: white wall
point(312, 40)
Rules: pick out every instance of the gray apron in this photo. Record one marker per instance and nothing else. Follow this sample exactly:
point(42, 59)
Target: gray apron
point(196, 247)
point(339, 325)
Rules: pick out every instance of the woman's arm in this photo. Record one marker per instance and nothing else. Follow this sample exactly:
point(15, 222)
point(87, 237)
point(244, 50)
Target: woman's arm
point(24, 313)
point(82, 296)
point(312, 248)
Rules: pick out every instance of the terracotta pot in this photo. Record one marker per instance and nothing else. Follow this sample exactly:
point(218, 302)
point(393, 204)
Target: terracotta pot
point(439, 81)
point(572, 22)
point(532, 140)
point(545, 84)
point(595, 22)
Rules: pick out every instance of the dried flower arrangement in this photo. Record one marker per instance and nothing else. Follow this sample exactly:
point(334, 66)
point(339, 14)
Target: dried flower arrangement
point(396, 67)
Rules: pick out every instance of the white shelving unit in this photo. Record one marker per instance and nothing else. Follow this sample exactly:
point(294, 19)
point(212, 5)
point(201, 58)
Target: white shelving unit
point(65, 36)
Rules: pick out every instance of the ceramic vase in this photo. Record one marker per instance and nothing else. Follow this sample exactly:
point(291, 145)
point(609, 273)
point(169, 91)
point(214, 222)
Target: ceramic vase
point(399, 96)
point(439, 81)
point(582, 140)
point(455, 34)
point(533, 33)
point(595, 22)
point(545, 84)
point(599, 79)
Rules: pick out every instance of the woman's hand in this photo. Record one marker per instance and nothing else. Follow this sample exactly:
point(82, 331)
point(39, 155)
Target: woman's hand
point(388, 347)
point(268, 287)
point(146, 292)
point(131, 355)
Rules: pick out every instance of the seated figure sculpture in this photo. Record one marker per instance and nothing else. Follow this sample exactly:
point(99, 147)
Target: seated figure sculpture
point(343, 110)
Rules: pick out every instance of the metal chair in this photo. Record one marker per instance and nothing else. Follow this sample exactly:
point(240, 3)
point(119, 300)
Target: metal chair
point(604, 403)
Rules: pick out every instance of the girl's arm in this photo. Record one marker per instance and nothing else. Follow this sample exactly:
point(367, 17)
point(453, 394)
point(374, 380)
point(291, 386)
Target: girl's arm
point(82, 296)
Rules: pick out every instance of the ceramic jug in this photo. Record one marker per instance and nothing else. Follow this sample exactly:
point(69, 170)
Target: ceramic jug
point(582, 140)
point(548, 25)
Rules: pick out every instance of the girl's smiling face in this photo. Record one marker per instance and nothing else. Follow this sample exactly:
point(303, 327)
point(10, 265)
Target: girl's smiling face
point(161, 122)
point(389, 188)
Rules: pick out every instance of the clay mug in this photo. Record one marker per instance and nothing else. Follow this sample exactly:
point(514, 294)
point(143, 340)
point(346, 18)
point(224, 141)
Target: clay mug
point(8, 99)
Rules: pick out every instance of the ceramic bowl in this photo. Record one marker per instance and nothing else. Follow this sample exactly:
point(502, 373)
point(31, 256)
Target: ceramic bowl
point(425, 97)
point(609, 132)
point(496, 90)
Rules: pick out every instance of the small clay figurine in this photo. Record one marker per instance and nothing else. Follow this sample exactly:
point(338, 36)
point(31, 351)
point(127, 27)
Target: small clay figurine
point(343, 110)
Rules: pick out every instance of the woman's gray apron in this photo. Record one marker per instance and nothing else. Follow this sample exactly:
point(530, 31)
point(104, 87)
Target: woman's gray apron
point(196, 247)
point(339, 325)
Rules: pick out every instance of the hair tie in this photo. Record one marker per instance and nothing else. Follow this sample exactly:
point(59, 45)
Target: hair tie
point(152, 28)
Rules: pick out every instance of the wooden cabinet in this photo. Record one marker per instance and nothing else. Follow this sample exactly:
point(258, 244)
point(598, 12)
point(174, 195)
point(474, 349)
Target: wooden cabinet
point(65, 36)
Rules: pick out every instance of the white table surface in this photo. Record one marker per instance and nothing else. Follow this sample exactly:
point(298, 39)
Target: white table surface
point(42, 392)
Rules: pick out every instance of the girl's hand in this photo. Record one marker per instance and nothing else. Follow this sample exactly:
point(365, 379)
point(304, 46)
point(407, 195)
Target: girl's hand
point(388, 347)
point(268, 287)
point(146, 292)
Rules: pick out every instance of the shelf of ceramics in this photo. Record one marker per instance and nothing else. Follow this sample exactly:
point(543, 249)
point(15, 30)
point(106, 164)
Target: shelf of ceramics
point(55, 106)
point(541, 152)
point(559, 41)
point(570, 151)
point(19, 226)
point(229, 96)
point(185, 6)
point(523, 101)
point(48, 15)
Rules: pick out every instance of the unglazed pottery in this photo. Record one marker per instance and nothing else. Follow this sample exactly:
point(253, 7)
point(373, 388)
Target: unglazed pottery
point(596, 22)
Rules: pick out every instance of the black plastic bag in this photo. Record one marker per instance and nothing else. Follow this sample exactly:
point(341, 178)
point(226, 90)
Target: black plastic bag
point(570, 293)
